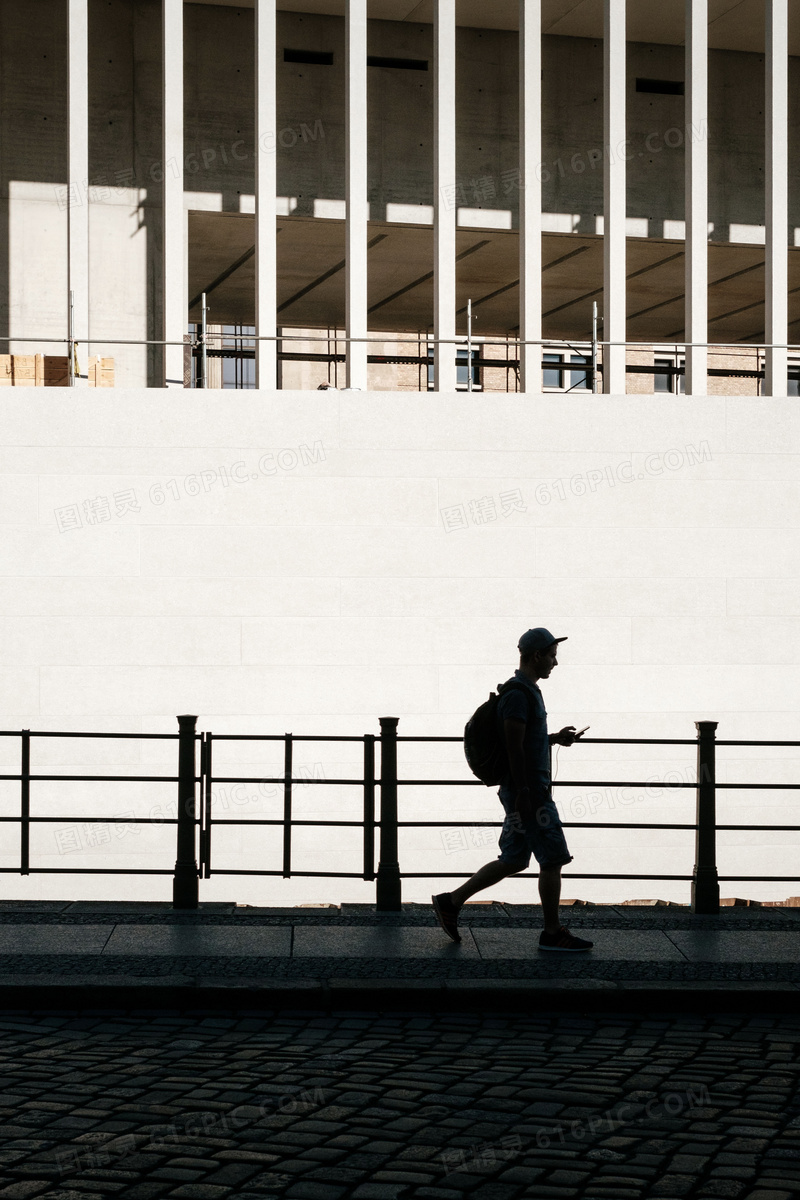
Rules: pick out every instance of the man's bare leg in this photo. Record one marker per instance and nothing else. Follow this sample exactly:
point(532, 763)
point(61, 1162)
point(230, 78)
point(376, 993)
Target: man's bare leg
point(491, 873)
point(550, 894)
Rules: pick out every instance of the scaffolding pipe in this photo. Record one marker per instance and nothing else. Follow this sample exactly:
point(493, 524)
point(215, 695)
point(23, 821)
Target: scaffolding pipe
point(469, 345)
point(71, 342)
point(203, 342)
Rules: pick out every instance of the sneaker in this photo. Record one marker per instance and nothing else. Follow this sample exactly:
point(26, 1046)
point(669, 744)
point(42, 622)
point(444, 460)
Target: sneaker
point(563, 940)
point(447, 915)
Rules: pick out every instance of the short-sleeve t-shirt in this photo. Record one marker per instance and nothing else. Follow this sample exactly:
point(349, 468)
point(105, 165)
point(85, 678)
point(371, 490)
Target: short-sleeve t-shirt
point(527, 704)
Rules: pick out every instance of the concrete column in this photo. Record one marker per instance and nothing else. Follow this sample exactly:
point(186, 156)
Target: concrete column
point(615, 149)
point(444, 201)
point(356, 191)
point(530, 203)
point(266, 263)
point(78, 168)
point(777, 196)
point(696, 166)
point(175, 260)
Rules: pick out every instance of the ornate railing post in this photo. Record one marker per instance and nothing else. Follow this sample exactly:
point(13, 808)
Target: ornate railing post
point(387, 885)
point(705, 883)
point(185, 885)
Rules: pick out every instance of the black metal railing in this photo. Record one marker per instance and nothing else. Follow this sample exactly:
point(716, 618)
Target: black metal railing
point(195, 823)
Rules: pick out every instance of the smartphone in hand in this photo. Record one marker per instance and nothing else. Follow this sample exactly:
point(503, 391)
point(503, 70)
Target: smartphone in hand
point(581, 731)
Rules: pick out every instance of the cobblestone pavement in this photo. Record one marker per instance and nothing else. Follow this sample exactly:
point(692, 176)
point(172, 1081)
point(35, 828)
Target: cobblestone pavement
point(378, 1106)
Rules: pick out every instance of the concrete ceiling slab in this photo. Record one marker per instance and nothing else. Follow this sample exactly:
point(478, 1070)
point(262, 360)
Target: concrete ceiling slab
point(311, 279)
point(732, 24)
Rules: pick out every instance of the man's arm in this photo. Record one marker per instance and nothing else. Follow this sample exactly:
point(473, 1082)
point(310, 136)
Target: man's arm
point(514, 731)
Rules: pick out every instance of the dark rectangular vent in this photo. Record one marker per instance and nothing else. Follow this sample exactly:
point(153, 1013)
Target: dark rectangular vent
point(399, 64)
point(661, 87)
point(318, 58)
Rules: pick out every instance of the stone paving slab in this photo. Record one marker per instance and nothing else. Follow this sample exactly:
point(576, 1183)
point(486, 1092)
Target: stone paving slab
point(394, 942)
point(209, 940)
point(739, 945)
point(53, 939)
point(630, 944)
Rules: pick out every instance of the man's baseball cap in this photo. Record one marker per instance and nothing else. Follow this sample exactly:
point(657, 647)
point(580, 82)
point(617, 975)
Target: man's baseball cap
point(537, 639)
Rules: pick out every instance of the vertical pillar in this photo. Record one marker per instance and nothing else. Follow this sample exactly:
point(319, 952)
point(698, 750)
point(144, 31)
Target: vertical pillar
point(696, 167)
point(777, 197)
point(444, 201)
point(615, 149)
point(356, 191)
point(25, 804)
point(78, 168)
point(184, 883)
point(175, 281)
point(705, 882)
point(388, 890)
point(530, 201)
point(266, 152)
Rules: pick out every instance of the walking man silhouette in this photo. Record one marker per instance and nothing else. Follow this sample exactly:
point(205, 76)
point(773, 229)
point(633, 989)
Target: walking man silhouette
point(532, 824)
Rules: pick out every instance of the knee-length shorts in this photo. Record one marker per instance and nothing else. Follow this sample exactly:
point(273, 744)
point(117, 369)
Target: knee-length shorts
point(540, 835)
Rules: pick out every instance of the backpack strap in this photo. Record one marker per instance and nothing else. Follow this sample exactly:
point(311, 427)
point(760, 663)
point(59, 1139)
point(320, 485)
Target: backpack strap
point(512, 685)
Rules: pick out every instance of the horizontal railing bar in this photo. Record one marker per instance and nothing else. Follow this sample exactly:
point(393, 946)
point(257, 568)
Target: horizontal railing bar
point(280, 821)
point(296, 737)
point(759, 786)
point(668, 784)
point(130, 820)
point(173, 737)
point(308, 737)
point(568, 875)
point(306, 874)
point(278, 779)
point(584, 741)
point(103, 778)
point(631, 783)
point(90, 871)
point(567, 825)
point(100, 820)
point(581, 875)
point(404, 874)
point(574, 783)
point(440, 782)
point(737, 742)
point(762, 828)
point(444, 737)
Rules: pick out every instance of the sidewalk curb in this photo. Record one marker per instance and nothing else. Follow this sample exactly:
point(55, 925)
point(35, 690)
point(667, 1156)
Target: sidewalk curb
point(388, 994)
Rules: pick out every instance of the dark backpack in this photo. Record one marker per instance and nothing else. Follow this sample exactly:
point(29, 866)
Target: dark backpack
point(484, 745)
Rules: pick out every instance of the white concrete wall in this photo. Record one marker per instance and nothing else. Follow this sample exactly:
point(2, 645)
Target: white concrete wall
point(325, 590)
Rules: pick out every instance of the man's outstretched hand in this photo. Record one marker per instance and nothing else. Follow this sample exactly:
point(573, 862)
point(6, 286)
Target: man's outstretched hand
point(565, 736)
